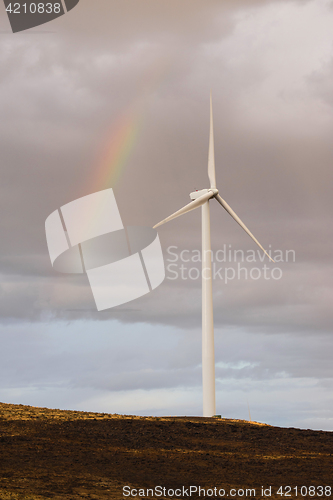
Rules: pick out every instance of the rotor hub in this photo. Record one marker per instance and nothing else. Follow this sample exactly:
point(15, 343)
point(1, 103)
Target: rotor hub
point(197, 194)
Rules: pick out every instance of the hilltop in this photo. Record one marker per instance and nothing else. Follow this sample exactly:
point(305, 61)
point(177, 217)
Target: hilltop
point(69, 454)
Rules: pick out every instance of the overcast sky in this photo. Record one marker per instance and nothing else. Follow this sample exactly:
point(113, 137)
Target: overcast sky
point(68, 89)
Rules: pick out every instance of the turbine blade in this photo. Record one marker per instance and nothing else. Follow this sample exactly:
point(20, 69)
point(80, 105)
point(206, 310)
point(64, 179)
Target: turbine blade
point(237, 219)
point(211, 157)
point(191, 206)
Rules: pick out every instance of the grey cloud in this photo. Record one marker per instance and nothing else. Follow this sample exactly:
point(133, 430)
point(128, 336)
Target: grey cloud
point(321, 83)
point(168, 359)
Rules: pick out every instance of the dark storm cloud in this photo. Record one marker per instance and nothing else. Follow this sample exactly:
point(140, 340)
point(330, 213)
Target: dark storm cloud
point(61, 92)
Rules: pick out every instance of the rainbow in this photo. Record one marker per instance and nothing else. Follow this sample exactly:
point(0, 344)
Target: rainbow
point(113, 158)
point(124, 133)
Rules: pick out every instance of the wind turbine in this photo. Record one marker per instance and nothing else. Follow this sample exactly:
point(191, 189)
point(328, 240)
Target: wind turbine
point(202, 198)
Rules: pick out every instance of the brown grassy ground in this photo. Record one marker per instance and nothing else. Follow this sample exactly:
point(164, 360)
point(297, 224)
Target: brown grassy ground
point(67, 455)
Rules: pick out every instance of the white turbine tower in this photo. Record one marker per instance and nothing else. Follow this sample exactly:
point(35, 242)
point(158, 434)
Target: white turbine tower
point(201, 198)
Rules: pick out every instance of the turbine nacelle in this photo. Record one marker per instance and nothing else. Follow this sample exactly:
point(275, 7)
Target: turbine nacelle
point(196, 194)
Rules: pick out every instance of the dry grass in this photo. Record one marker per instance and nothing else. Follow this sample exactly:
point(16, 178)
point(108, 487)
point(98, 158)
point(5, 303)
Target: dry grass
point(66, 455)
